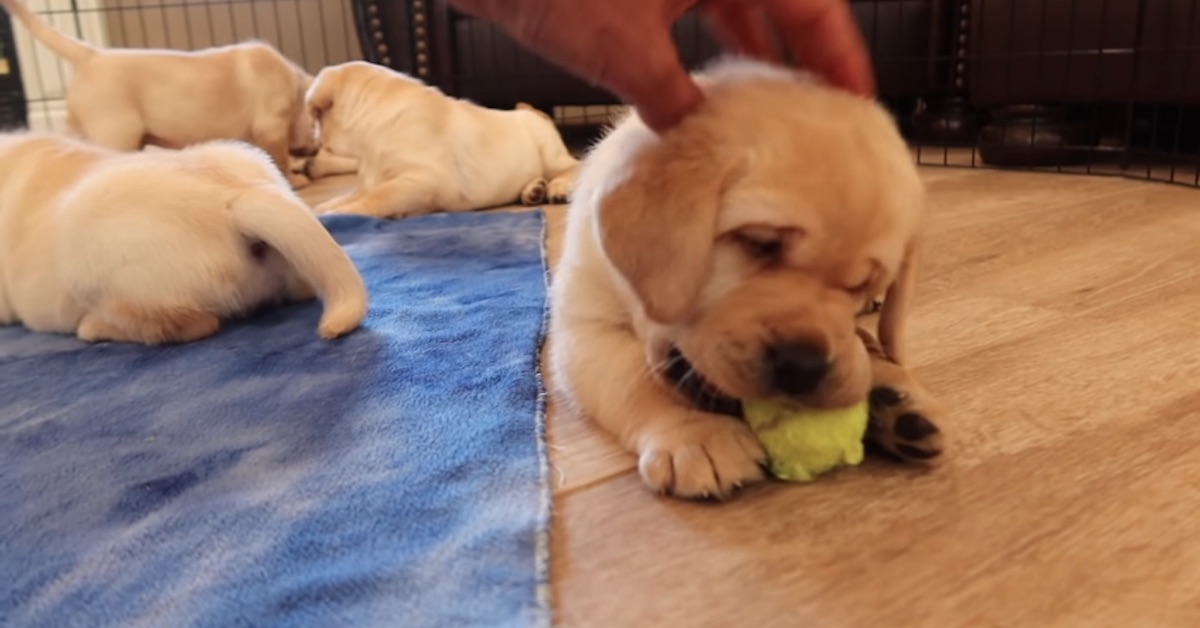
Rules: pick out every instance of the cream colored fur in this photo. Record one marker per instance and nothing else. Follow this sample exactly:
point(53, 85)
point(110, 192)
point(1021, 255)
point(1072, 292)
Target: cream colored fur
point(765, 220)
point(158, 247)
point(418, 151)
point(128, 98)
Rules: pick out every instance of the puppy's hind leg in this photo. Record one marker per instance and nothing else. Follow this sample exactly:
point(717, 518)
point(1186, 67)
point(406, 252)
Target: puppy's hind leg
point(402, 197)
point(116, 129)
point(7, 316)
point(534, 193)
point(74, 128)
point(560, 187)
point(562, 169)
point(331, 205)
point(149, 325)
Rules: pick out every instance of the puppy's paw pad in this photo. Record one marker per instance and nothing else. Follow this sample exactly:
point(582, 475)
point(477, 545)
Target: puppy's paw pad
point(559, 191)
point(872, 307)
point(904, 426)
point(534, 193)
point(702, 457)
point(885, 397)
point(914, 427)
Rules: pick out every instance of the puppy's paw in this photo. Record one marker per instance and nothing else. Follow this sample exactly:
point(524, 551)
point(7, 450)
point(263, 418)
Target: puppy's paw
point(92, 328)
point(701, 456)
point(872, 307)
point(338, 324)
point(326, 164)
point(904, 422)
point(559, 191)
point(534, 193)
point(298, 180)
point(151, 326)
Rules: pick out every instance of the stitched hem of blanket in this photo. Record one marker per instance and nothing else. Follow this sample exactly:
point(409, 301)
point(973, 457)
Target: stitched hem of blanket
point(544, 590)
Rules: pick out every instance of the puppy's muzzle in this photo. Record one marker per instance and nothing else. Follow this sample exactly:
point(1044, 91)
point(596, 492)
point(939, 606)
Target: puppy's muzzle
point(797, 368)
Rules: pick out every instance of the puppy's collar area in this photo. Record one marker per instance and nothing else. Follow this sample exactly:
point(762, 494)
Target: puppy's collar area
point(680, 375)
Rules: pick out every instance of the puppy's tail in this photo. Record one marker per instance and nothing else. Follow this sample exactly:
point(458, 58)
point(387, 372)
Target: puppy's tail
point(290, 228)
point(69, 48)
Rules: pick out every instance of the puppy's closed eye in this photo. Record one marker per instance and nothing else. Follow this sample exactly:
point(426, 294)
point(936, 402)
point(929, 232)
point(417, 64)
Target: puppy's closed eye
point(863, 286)
point(762, 243)
point(868, 284)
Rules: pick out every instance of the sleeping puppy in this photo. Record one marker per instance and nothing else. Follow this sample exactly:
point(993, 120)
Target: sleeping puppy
point(418, 151)
point(126, 99)
point(158, 247)
point(729, 259)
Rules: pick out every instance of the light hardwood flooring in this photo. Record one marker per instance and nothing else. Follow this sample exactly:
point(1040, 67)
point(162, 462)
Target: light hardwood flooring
point(1059, 321)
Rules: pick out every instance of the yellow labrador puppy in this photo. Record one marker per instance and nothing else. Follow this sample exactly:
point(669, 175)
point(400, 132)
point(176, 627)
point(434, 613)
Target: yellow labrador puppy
point(418, 151)
point(729, 259)
point(158, 247)
point(126, 99)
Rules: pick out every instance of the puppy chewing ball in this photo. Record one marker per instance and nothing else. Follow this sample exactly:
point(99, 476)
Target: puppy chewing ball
point(802, 444)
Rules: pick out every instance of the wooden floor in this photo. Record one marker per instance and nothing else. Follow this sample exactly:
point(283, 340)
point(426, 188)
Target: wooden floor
point(1058, 321)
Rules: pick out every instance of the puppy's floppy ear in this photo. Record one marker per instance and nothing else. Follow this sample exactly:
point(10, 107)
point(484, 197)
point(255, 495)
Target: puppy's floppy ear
point(319, 97)
point(658, 226)
point(896, 304)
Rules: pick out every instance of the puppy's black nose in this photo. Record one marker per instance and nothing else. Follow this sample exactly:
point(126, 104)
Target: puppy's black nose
point(797, 368)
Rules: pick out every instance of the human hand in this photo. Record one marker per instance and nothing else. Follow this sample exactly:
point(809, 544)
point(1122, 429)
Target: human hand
point(625, 45)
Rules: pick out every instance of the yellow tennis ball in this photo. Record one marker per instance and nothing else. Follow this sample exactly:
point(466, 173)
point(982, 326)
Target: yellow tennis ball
point(803, 443)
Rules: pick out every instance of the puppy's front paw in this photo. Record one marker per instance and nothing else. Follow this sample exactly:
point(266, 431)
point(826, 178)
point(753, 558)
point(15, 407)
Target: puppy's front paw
point(534, 193)
point(701, 456)
point(904, 422)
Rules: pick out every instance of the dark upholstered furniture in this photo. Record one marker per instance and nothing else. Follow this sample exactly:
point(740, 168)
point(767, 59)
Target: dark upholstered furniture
point(1084, 52)
point(1045, 70)
point(470, 58)
point(13, 109)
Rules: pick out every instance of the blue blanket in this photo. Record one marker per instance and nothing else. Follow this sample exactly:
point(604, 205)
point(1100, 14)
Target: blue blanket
point(263, 477)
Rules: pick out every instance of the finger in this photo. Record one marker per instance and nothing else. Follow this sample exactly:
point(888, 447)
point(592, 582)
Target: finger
point(631, 55)
point(742, 27)
point(663, 110)
point(826, 39)
point(654, 81)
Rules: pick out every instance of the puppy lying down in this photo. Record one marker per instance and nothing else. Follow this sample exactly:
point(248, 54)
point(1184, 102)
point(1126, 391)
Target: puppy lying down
point(418, 151)
point(158, 247)
point(729, 259)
